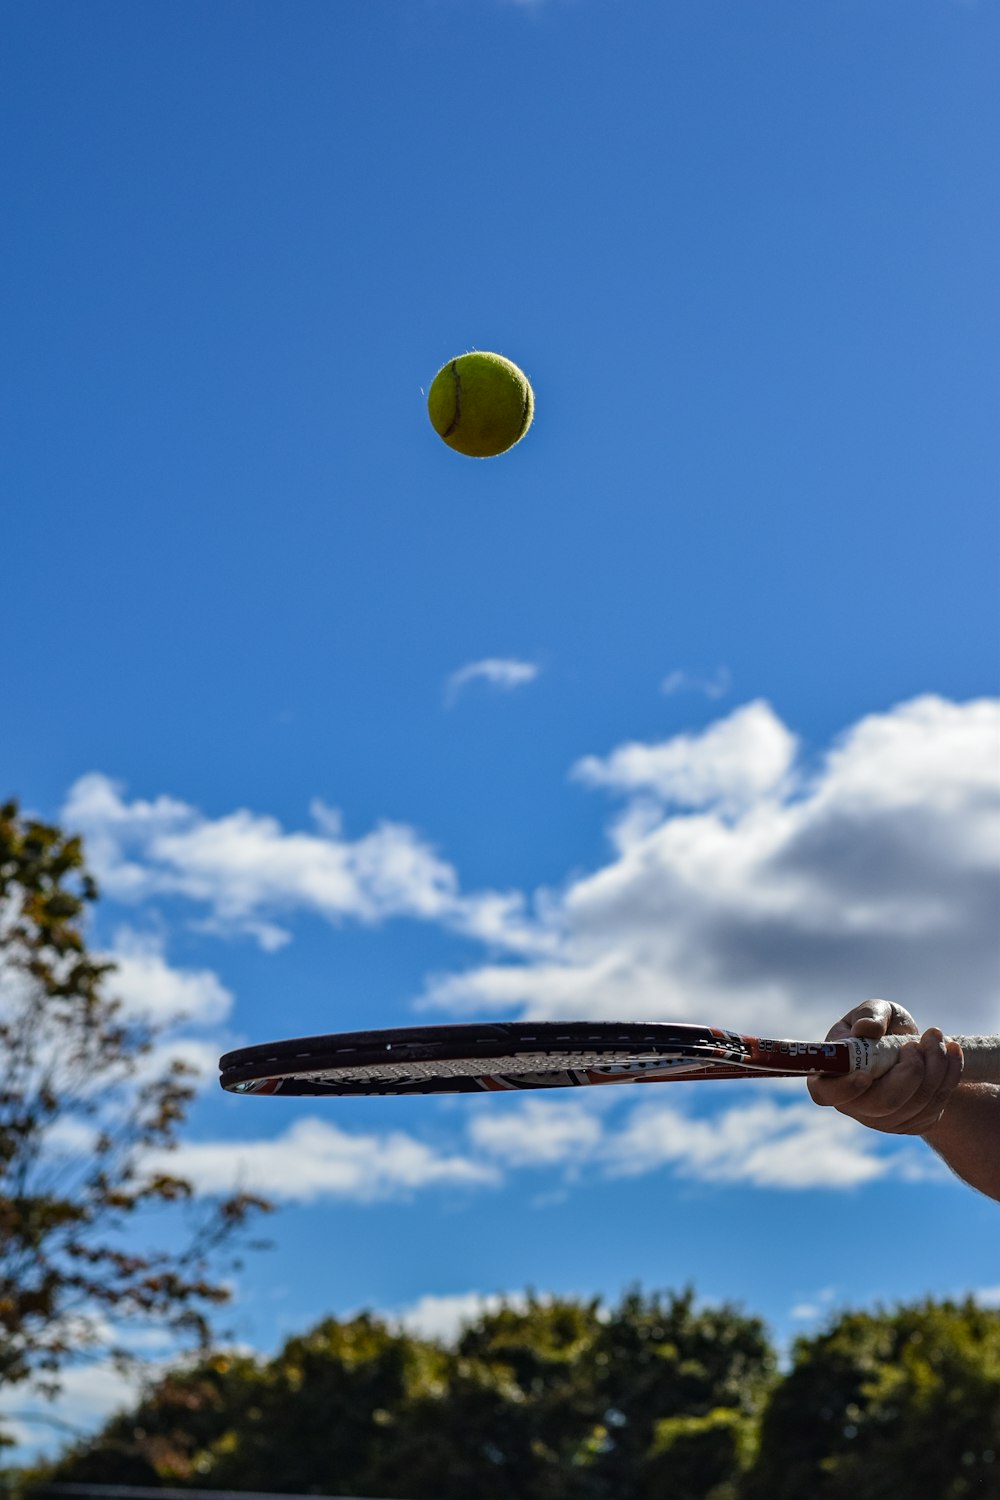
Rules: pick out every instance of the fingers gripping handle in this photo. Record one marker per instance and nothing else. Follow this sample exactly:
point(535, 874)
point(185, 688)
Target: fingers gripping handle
point(981, 1053)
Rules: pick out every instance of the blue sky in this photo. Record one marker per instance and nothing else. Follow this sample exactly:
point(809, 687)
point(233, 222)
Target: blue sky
point(685, 708)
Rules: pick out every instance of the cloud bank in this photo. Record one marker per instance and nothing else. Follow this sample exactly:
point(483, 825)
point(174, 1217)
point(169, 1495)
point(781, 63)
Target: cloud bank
point(746, 883)
point(748, 887)
point(775, 1140)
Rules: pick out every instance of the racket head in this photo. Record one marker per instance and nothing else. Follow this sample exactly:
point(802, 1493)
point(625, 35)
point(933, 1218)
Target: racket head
point(501, 1056)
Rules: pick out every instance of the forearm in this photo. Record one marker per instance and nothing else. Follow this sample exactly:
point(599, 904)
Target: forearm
point(967, 1136)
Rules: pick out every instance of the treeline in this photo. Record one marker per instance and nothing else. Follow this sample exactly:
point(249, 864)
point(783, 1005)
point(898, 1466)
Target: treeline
point(656, 1398)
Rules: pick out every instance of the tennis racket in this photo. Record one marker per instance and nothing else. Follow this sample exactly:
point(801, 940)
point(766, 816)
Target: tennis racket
point(543, 1055)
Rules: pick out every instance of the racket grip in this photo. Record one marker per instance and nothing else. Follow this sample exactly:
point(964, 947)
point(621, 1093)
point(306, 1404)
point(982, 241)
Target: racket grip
point(981, 1053)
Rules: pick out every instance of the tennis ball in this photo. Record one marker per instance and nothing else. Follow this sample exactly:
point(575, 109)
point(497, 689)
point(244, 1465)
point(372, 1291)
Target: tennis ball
point(481, 404)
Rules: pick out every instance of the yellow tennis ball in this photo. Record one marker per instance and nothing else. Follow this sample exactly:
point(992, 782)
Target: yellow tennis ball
point(481, 404)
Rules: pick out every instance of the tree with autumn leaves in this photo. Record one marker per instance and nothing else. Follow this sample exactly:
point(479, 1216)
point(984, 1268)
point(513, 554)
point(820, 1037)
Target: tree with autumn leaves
point(88, 1109)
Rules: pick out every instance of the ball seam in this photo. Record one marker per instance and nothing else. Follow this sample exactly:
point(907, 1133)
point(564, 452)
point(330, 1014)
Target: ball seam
point(458, 400)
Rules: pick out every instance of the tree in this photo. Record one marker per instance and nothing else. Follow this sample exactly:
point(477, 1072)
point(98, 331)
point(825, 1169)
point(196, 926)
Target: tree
point(558, 1399)
point(518, 1406)
point(513, 1410)
point(900, 1405)
point(682, 1388)
point(881, 1406)
point(85, 1117)
point(311, 1420)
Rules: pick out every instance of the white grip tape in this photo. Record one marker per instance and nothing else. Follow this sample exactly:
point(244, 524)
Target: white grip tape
point(981, 1053)
point(871, 1057)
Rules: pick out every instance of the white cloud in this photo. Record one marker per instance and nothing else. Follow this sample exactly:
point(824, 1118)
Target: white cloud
point(200, 1056)
point(91, 1393)
point(542, 1132)
point(500, 672)
point(444, 1317)
point(92, 1389)
point(150, 988)
point(716, 686)
point(747, 889)
point(744, 886)
point(776, 1139)
point(817, 1307)
point(762, 1143)
point(314, 1159)
point(769, 1136)
point(733, 763)
point(173, 1001)
point(246, 870)
point(243, 861)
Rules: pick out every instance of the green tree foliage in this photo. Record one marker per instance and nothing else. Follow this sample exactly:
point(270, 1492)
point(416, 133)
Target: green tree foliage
point(329, 1395)
point(84, 1113)
point(512, 1410)
point(664, 1359)
point(558, 1399)
point(888, 1406)
point(518, 1407)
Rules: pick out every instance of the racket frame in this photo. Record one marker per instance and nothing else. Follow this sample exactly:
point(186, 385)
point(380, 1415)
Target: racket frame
point(520, 1054)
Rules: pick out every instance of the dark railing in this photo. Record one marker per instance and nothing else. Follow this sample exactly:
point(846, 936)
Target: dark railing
point(140, 1492)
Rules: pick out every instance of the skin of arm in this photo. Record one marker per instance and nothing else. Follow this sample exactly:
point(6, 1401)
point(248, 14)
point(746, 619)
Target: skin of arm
point(922, 1095)
point(968, 1136)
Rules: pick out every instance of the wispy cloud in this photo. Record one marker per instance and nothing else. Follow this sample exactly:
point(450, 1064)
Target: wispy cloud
point(716, 686)
point(505, 673)
point(248, 874)
point(817, 1306)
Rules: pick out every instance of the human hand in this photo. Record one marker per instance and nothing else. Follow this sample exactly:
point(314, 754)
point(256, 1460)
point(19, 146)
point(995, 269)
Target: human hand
point(910, 1098)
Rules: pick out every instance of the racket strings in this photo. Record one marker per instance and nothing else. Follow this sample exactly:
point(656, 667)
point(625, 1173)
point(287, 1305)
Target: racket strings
point(603, 1062)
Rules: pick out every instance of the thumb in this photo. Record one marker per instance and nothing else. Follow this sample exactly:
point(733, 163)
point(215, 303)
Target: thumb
point(878, 1018)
